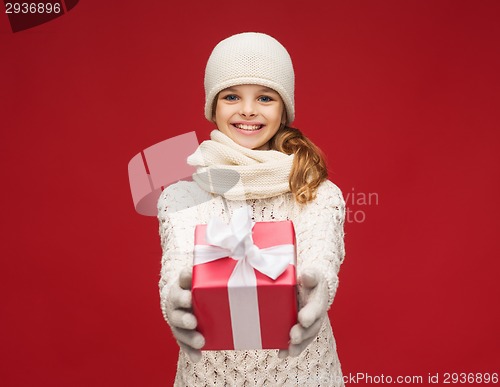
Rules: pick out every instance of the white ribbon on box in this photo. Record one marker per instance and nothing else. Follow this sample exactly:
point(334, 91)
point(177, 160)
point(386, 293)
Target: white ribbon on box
point(235, 241)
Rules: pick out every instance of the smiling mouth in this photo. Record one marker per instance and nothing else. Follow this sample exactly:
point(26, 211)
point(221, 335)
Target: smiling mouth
point(248, 127)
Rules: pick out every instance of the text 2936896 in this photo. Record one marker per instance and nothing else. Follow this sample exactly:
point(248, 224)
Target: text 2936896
point(33, 7)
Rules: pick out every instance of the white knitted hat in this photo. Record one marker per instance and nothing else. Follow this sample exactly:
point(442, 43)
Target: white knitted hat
point(250, 58)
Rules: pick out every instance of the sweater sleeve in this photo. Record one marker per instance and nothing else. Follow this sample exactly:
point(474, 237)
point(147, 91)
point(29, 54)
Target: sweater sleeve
point(320, 235)
point(177, 209)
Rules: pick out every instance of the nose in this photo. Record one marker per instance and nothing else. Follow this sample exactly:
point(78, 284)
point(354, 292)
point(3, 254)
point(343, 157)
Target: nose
point(248, 108)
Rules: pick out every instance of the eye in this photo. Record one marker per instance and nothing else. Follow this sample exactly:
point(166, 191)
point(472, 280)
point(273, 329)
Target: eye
point(265, 98)
point(230, 97)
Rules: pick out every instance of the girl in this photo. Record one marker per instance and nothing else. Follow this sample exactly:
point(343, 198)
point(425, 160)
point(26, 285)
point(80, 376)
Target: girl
point(254, 158)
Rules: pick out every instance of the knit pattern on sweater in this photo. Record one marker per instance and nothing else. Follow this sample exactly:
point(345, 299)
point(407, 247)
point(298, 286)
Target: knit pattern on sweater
point(320, 244)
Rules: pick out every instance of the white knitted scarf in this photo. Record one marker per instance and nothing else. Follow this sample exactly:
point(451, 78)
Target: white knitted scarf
point(237, 173)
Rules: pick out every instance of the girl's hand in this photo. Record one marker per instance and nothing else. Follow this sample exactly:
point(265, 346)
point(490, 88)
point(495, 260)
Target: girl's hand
point(314, 301)
point(181, 319)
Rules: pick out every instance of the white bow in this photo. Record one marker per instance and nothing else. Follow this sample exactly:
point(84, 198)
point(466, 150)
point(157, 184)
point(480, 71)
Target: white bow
point(235, 241)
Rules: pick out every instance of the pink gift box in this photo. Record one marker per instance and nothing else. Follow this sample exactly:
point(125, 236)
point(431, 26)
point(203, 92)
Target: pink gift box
point(245, 316)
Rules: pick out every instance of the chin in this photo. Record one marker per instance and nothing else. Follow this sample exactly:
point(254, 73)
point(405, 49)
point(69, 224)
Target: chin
point(249, 145)
point(245, 141)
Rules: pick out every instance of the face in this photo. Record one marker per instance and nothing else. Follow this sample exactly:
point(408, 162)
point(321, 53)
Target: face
point(250, 115)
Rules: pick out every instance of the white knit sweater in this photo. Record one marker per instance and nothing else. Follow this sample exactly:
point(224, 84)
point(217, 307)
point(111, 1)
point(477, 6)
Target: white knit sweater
point(320, 243)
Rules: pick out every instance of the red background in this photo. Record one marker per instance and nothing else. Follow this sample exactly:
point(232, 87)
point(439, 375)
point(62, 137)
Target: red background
point(401, 95)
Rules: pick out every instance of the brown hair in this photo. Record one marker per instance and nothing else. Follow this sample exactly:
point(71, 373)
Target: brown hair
point(309, 166)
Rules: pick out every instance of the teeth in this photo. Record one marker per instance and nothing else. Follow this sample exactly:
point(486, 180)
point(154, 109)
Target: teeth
point(248, 127)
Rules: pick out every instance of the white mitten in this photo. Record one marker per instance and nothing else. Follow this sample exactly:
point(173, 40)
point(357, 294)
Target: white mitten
point(313, 304)
point(182, 320)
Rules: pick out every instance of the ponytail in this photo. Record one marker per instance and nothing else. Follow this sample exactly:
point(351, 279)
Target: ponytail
point(309, 166)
